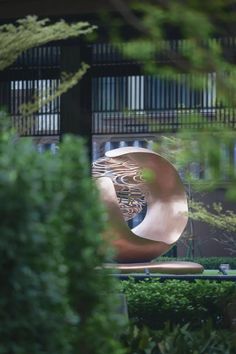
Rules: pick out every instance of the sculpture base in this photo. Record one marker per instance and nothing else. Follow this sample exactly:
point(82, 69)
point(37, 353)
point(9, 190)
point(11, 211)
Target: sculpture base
point(175, 268)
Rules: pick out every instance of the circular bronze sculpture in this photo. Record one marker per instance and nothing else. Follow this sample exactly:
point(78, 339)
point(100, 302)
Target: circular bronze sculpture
point(130, 178)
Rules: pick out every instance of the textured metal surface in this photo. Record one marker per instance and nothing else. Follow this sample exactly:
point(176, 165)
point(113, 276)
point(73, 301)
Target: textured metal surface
point(163, 192)
point(128, 183)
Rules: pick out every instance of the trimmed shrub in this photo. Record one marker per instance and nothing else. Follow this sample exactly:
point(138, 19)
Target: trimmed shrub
point(52, 298)
point(206, 262)
point(153, 303)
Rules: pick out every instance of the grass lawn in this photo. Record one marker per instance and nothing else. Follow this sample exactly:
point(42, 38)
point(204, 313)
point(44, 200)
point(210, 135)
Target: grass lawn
point(216, 272)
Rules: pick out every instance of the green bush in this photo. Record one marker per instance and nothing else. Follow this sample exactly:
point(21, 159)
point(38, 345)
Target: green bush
point(153, 303)
point(179, 340)
point(206, 262)
point(52, 298)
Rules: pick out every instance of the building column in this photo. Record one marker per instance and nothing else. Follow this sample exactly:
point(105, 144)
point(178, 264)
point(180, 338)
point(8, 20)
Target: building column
point(76, 105)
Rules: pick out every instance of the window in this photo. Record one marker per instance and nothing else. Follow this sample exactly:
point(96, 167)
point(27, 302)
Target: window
point(46, 120)
point(165, 94)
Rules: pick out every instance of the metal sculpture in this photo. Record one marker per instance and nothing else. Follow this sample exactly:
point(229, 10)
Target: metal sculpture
point(130, 178)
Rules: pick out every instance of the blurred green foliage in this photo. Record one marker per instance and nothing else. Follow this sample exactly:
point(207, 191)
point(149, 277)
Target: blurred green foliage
point(179, 340)
point(53, 300)
point(177, 38)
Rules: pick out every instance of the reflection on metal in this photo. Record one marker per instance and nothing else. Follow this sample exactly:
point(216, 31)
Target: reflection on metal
point(161, 267)
point(130, 178)
point(128, 183)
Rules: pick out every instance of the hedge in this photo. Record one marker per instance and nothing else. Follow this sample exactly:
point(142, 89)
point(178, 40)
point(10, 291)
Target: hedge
point(153, 303)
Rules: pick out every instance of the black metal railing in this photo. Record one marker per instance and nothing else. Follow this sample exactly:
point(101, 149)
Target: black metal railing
point(33, 78)
point(123, 99)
